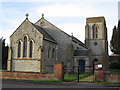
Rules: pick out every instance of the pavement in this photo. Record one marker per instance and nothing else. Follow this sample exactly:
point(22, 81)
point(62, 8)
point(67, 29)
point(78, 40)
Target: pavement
point(7, 83)
point(89, 79)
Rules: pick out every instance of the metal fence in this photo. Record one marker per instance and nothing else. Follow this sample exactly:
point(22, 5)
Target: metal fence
point(75, 75)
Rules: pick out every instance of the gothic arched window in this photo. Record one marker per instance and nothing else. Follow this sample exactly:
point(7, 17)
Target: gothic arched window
point(31, 49)
point(25, 47)
point(19, 49)
point(48, 52)
point(95, 31)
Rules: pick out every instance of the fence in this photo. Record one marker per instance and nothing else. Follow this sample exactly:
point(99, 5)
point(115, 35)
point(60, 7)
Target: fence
point(75, 74)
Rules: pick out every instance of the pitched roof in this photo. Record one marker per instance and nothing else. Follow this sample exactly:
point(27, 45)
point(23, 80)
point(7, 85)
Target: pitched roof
point(81, 52)
point(74, 39)
point(46, 36)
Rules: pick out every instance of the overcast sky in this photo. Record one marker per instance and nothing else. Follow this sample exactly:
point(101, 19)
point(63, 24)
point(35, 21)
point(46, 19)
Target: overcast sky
point(68, 15)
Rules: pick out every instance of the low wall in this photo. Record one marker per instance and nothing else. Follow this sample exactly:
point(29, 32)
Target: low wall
point(27, 75)
point(112, 77)
point(101, 75)
point(57, 75)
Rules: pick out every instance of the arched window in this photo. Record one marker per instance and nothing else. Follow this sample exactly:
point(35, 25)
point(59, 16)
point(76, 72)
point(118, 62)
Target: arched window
point(95, 31)
point(53, 53)
point(25, 47)
point(19, 49)
point(31, 49)
point(48, 52)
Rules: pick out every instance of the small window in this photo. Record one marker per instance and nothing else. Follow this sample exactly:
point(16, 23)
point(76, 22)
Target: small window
point(42, 23)
point(53, 53)
point(19, 49)
point(49, 53)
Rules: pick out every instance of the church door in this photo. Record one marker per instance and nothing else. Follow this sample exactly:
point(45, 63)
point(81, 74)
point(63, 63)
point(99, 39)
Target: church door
point(82, 66)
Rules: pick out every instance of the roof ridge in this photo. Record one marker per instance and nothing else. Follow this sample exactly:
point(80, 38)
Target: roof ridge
point(63, 32)
point(19, 26)
point(44, 32)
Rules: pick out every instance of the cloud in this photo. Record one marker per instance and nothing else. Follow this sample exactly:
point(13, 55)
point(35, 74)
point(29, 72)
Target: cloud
point(46, 1)
point(12, 17)
point(67, 10)
point(78, 30)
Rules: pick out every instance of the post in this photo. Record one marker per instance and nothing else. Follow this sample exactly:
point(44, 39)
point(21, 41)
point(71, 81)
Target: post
point(99, 72)
point(1, 53)
point(78, 72)
point(9, 59)
point(58, 70)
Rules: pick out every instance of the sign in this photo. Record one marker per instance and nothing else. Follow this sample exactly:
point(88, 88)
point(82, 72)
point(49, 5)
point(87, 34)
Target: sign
point(99, 66)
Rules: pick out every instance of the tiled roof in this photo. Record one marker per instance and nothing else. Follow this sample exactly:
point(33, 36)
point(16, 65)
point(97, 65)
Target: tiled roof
point(81, 52)
point(45, 34)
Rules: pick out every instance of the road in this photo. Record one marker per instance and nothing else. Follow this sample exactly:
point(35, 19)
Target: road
point(35, 84)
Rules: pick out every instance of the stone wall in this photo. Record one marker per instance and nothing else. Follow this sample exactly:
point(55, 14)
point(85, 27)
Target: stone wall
point(26, 65)
point(47, 56)
point(65, 45)
point(32, 34)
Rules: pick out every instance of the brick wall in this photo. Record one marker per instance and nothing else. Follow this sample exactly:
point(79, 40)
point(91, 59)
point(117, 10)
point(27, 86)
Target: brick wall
point(101, 75)
point(58, 71)
point(27, 75)
point(112, 77)
point(58, 74)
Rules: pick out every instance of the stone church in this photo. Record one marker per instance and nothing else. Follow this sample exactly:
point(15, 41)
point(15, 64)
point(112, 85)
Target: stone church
point(35, 47)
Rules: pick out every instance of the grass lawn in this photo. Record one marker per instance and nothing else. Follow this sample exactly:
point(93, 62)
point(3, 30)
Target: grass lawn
point(115, 70)
point(36, 80)
point(73, 77)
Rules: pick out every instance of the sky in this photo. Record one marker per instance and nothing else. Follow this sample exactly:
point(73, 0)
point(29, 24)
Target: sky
point(119, 10)
point(68, 15)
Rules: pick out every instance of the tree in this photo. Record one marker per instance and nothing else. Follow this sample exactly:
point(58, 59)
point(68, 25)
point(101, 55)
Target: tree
point(4, 55)
point(115, 41)
point(118, 37)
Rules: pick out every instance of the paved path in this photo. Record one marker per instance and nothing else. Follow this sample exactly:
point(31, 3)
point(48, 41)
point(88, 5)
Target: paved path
point(88, 79)
point(35, 84)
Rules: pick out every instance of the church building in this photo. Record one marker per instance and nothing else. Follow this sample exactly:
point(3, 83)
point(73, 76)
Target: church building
point(35, 47)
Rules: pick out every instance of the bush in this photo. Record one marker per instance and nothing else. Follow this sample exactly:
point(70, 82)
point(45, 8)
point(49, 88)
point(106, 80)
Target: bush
point(115, 65)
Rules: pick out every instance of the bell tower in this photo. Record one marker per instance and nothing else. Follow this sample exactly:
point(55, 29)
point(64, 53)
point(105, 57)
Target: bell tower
point(96, 40)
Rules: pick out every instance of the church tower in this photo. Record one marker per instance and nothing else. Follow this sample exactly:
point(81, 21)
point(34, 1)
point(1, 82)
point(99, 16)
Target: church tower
point(96, 40)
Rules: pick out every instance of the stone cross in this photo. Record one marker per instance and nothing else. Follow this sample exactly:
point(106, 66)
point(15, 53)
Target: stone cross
point(42, 15)
point(27, 15)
